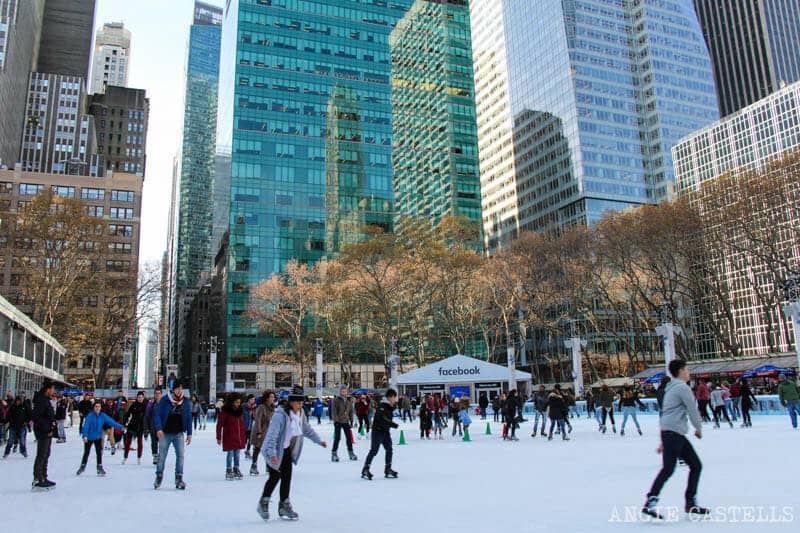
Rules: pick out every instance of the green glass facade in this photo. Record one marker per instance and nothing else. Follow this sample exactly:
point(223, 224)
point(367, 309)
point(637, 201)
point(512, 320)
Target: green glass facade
point(434, 130)
point(305, 105)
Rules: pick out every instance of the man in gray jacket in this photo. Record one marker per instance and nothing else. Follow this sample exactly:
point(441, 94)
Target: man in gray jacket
point(342, 416)
point(679, 404)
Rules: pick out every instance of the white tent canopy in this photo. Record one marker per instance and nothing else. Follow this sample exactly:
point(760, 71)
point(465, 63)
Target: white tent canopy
point(459, 369)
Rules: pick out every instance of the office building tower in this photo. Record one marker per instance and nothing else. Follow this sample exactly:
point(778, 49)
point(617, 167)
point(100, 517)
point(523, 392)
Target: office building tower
point(65, 46)
point(753, 45)
point(305, 105)
point(579, 104)
point(112, 56)
point(434, 129)
point(121, 116)
point(20, 28)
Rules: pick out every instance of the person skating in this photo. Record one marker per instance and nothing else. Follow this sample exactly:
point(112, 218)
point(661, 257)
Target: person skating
point(405, 409)
point(748, 402)
point(342, 416)
point(108, 431)
point(43, 418)
point(382, 424)
point(789, 395)
point(319, 410)
point(425, 421)
point(248, 413)
point(149, 416)
point(569, 400)
point(18, 420)
point(92, 434)
point(455, 409)
point(557, 410)
point(717, 399)
point(483, 403)
point(134, 421)
point(496, 408)
point(84, 408)
point(628, 403)
point(679, 405)
point(510, 416)
point(590, 409)
point(606, 401)
point(362, 412)
point(282, 448)
point(173, 418)
point(231, 434)
point(61, 419)
point(260, 426)
point(464, 419)
point(703, 396)
point(438, 423)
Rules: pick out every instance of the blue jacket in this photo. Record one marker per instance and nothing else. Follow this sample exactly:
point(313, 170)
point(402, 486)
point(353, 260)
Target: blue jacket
point(93, 425)
point(276, 434)
point(465, 419)
point(163, 410)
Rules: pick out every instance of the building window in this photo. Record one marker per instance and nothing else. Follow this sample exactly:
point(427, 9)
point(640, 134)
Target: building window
point(121, 212)
point(30, 189)
point(64, 191)
point(92, 194)
point(95, 210)
point(119, 230)
point(122, 196)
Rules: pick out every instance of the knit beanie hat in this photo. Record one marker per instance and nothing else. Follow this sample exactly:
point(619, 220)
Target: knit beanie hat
point(297, 394)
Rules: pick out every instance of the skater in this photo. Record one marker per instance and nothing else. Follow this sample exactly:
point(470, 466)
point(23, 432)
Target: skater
point(703, 395)
point(319, 409)
point(203, 415)
point(249, 412)
point(736, 399)
point(134, 421)
point(85, 406)
point(717, 399)
point(195, 412)
point(61, 419)
point(455, 409)
point(606, 400)
point(92, 434)
point(108, 431)
point(231, 435)
point(679, 404)
point(464, 419)
point(149, 415)
point(510, 416)
point(590, 410)
point(381, 436)
point(496, 408)
point(342, 415)
point(362, 411)
point(173, 418)
point(43, 418)
point(425, 421)
point(17, 427)
point(748, 402)
point(662, 387)
point(569, 399)
point(438, 423)
point(282, 448)
point(260, 426)
point(789, 395)
point(483, 403)
point(405, 409)
point(557, 405)
point(628, 403)
point(728, 400)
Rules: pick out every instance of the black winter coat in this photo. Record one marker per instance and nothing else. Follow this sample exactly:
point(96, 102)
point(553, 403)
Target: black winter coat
point(483, 402)
point(134, 418)
point(17, 416)
point(557, 405)
point(383, 421)
point(61, 411)
point(44, 417)
point(84, 407)
point(425, 418)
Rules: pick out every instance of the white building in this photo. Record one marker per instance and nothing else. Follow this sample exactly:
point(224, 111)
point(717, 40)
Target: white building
point(147, 363)
point(748, 139)
point(112, 51)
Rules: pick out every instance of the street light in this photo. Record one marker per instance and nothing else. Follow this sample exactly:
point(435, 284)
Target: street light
point(668, 330)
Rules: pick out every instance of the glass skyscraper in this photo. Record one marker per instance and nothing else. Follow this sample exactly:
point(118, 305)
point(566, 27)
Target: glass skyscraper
point(434, 129)
point(579, 104)
point(305, 107)
point(195, 213)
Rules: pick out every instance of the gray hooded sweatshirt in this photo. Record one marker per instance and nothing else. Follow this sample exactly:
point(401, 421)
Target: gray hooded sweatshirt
point(679, 404)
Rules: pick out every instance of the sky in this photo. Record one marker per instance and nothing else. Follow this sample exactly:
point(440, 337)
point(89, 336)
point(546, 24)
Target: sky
point(160, 34)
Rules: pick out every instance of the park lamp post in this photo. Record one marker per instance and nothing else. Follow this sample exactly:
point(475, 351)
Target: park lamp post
point(574, 344)
point(668, 330)
point(318, 350)
point(791, 290)
point(393, 363)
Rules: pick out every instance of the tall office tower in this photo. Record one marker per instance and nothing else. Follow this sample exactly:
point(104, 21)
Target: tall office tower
point(65, 46)
point(195, 212)
point(305, 106)
point(579, 104)
point(434, 129)
point(120, 117)
point(20, 27)
point(112, 57)
point(59, 137)
point(753, 45)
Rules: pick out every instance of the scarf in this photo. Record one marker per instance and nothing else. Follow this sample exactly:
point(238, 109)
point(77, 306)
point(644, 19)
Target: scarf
point(176, 400)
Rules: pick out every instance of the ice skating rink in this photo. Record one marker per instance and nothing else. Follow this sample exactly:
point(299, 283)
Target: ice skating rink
point(589, 484)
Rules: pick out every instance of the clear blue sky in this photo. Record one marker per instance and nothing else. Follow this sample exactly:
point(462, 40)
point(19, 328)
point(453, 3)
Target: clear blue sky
point(160, 33)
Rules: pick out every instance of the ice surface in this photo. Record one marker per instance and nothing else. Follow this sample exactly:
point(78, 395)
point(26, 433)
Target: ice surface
point(444, 486)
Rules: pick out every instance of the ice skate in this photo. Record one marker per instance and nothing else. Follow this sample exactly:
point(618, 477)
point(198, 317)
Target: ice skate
point(254, 470)
point(286, 512)
point(157, 482)
point(263, 508)
point(179, 484)
point(334, 457)
point(237, 474)
point(353, 456)
point(100, 471)
point(693, 509)
point(389, 473)
point(124, 460)
point(81, 469)
point(366, 474)
point(650, 508)
point(229, 474)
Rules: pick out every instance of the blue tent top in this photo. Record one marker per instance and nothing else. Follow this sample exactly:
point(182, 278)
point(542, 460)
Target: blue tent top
point(655, 378)
point(767, 370)
point(72, 391)
point(283, 395)
point(363, 392)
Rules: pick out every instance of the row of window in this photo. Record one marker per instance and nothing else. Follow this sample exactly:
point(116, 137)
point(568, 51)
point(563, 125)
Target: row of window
point(64, 191)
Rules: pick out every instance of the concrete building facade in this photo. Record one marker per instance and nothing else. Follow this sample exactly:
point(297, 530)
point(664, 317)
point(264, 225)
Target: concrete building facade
point(112, 56)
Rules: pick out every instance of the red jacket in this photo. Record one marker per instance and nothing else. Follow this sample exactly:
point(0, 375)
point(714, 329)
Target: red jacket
point(230, 430)
point(362, 408)
point(701, 392)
